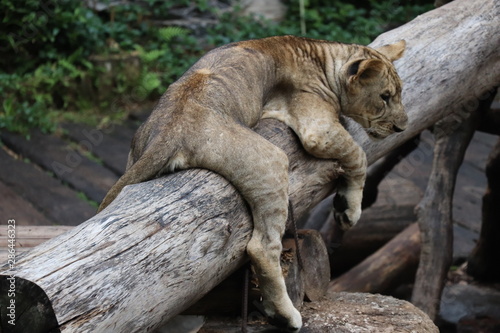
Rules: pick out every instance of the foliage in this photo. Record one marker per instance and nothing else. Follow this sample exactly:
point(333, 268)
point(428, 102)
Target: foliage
point(337, 20)
point(34, 32)
point(64, 60)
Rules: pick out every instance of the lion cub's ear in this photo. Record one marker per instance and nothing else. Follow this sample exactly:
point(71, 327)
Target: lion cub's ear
point(364, 70)
point(393, 51)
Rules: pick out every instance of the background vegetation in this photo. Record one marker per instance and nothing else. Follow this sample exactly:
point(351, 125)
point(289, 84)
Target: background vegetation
point(64, 61)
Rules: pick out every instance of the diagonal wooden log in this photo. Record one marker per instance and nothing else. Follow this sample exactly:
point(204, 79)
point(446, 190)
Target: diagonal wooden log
point(163, 244)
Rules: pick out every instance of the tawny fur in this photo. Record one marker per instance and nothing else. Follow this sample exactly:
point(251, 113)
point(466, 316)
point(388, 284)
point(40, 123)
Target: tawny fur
point(204, 120)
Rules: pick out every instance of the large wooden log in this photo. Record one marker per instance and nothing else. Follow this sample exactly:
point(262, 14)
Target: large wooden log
point(163, 244)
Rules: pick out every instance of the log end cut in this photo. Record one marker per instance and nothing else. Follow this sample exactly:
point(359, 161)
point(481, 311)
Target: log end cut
point(24, 299)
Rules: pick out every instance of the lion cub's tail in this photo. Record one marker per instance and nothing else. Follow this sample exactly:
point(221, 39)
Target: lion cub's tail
point(141, 171)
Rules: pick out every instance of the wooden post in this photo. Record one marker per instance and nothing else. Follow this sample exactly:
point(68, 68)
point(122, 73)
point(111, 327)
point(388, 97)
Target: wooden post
point(435, 211)
point(164, 244)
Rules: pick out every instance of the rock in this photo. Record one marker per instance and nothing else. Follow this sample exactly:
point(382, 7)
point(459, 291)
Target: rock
point(273, 10)
point(182, 324)
point(343, 313)
point(360, 312)
point(466, 300)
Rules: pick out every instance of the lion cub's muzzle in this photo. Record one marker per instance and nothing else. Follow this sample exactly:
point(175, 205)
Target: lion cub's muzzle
point(400, 124)
point(383, 129)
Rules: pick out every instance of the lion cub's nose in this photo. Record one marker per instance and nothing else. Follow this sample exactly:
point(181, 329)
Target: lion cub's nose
point(397, 129)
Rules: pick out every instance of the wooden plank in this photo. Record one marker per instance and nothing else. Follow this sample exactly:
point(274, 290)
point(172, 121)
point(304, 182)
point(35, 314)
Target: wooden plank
point(479, 149)
point(31, 236)
point(417, 165)
point(54, 154)
point(110, 149)
point(124, 132)
point(4, 252)
point(57, 202)
point(27, 237)
point(13, 206)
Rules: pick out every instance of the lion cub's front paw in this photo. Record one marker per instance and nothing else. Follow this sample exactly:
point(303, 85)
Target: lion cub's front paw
point(346, 213)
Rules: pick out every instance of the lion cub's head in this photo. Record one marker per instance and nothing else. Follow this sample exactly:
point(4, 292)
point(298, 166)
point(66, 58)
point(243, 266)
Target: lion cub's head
point(373, 92)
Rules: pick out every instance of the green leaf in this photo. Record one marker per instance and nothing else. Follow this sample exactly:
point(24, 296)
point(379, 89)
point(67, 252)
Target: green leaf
point(168, 33)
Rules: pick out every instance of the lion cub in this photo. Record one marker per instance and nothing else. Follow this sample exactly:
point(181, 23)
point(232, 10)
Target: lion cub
point(204, 120)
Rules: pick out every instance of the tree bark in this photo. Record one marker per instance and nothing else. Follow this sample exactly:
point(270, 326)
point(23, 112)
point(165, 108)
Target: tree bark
point(163, 244)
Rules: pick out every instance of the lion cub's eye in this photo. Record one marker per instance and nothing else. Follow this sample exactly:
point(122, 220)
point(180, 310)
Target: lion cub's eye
point(386, 97)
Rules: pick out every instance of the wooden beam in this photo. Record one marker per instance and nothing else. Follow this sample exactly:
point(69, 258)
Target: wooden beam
point(27, 237)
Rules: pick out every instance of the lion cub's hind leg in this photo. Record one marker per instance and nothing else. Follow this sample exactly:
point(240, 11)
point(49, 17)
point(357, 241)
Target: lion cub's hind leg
point(259, 171)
